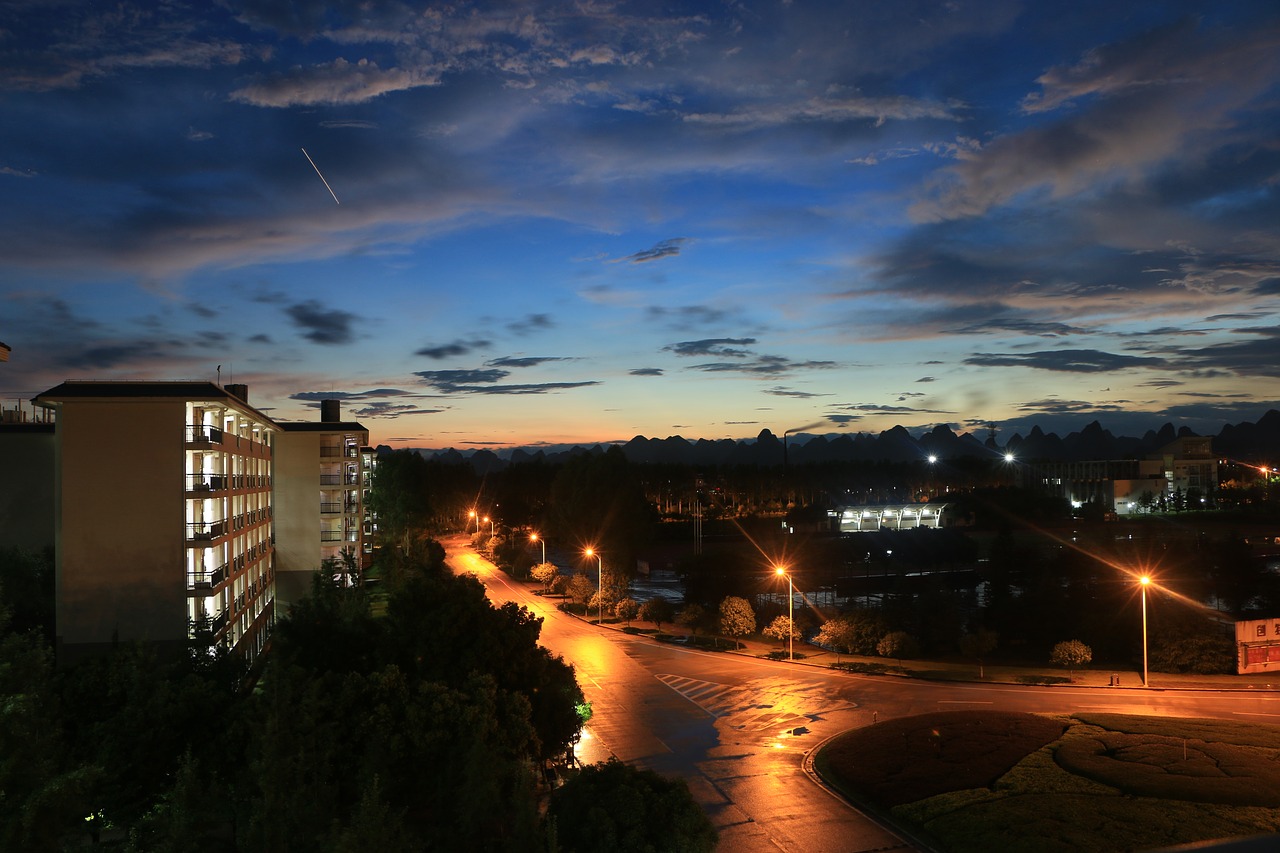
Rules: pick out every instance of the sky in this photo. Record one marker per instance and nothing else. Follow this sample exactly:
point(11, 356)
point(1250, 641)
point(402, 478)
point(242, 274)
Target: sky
point(534, 224)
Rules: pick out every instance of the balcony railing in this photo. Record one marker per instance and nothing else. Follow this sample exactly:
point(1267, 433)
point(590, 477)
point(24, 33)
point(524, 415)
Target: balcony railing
point(200, 434)
point(330, 535)
point(206, 482)
point(206, 579)
point(207, 625)
point(330, 452)
point(331, 507)
point(205, 530)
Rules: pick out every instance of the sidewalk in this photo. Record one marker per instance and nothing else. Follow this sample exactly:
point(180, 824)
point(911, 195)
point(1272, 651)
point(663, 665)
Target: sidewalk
point(968, 671)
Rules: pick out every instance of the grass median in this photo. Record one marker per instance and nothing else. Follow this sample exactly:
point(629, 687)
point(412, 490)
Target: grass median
point(979, 781)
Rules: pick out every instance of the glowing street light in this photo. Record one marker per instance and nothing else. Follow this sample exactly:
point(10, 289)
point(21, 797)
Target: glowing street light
point(791, 622)
point(1008, 457)
point(591, 552)
point(1145, 581)
point(533, 537)
point(488, 521)
point(471, 516)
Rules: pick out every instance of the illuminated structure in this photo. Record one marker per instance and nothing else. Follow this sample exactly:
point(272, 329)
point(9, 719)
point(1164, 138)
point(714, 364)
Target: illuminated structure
point(864, 519)
point(1186, 465)
point(162, 516)
point(323, 473)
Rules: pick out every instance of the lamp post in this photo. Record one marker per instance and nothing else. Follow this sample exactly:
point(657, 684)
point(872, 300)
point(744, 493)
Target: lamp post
point(791, 622)
point(533, 537)
point(1145, 581)
point(488, 521)
point(471, 516)
point(591, 552)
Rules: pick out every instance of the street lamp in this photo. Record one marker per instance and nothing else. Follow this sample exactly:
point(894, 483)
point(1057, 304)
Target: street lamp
point(533, 537)
point(472, 516)
point(490, 523)
point(591, 552)
point(791, 622)
point(1145, 581)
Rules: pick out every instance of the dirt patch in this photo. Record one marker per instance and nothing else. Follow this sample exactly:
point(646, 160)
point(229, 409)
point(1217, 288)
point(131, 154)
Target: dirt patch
point(908, 759)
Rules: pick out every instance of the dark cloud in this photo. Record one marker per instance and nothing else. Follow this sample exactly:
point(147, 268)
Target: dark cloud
point(530, 324)
point(1021, 327)
point(1160, 383)
point(349, 395)
point(800, 395)
point(392, 410)
point(109, 355)
point(841, 420)
point(1055, 406)
point(765, 365)
point(1259, 357)
point(442, 351)
point(323, 326)
point(646, 371)
point(723, 347)
point(260, 339)
point(1066, 361)
point(664, 249)
point(687, 316)
point(926, 379)
point(485, 382)
point(528, 361)
point(201, 310)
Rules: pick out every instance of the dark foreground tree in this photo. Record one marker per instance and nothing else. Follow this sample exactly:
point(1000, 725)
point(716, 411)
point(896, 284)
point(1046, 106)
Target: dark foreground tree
point(615, 808)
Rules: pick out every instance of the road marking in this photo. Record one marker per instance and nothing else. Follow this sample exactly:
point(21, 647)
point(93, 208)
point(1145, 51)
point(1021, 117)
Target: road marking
point(1253, 714)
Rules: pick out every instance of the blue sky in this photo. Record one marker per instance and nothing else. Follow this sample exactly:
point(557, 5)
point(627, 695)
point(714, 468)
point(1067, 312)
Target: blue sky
point(549, 223)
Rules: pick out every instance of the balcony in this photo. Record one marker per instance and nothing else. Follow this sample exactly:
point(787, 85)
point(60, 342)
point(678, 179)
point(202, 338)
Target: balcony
point(203, 436)
point(330, 535)
point(206, 483)
point(330, 452)
point(330, 508)
point(206, 579)
point(209, 625)
point(205, 531)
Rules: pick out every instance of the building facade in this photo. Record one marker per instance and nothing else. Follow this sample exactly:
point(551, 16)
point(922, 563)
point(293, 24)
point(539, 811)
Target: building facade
point(323, 476)
point(162, 516)
point(1185, 466)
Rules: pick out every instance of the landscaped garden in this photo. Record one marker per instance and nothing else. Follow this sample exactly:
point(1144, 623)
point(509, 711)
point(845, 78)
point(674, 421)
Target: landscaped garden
point(987, 780)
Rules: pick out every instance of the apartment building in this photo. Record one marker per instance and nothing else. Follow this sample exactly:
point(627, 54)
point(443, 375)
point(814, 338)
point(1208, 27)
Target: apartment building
point(323, 471)
point(162, 516)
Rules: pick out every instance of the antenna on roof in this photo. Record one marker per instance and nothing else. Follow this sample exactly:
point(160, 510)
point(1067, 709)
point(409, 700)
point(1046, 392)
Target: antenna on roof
point(219, 374)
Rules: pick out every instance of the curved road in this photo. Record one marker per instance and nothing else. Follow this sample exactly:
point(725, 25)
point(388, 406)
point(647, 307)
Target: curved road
point(739, 729)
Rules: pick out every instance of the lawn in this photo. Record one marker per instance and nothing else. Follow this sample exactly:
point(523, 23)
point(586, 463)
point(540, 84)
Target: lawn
point(980, 781)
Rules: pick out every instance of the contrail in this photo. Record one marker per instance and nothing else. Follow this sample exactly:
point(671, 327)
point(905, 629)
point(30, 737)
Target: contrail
point(317, 168)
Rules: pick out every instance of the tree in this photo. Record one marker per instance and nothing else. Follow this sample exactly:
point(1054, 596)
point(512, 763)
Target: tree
point(400, 496)
point(626, 610)
point(782, 629)
point(692, 616)
point(657, 610)
point(897, 644)
point(1070, 654)
point(545, 574)
point(601, 602)
point(616, 808)
point(839, 635)
point(978, 645)
point(737, 619)
point(581, 588)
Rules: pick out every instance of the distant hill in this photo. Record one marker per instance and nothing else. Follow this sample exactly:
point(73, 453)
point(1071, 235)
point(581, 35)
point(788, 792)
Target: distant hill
point(1249, 442)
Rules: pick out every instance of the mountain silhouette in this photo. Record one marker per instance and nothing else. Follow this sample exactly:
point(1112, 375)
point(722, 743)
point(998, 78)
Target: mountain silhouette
point(1248, 442)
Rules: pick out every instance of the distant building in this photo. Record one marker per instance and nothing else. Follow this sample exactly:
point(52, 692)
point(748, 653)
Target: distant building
point(1258, 645)
point(1186, 465)
point(162, 516)
point(323, 472)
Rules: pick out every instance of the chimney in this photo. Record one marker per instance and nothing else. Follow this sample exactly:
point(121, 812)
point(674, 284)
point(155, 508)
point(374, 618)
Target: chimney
point(330, 411)
point(240, 392)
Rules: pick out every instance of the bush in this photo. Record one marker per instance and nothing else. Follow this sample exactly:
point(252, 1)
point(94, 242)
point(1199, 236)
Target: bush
point(1070, 654)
